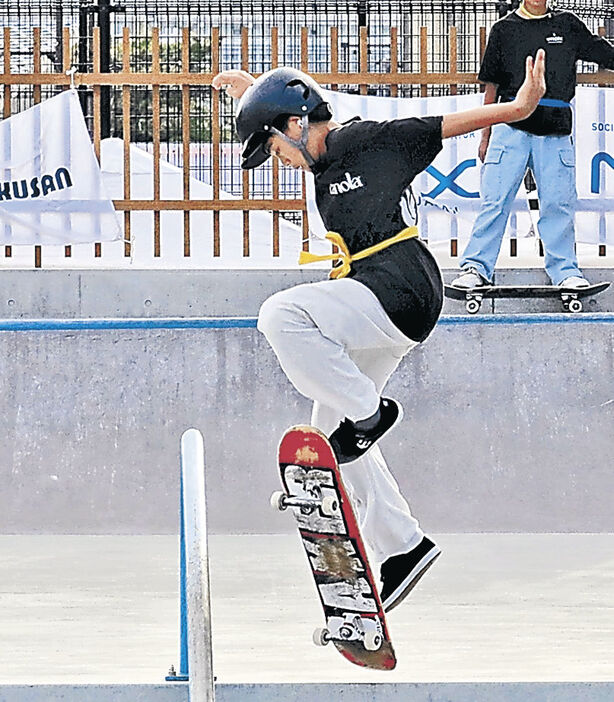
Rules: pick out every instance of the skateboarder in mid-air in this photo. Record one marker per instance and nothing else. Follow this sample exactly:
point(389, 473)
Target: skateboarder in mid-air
point(339, 340)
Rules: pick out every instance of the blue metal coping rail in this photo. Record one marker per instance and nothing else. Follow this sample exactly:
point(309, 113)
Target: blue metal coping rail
point(250, 322)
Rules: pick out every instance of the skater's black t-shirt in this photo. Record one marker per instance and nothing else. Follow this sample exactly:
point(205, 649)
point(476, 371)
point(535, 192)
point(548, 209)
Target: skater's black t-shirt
point(566, 40)
point(362, 185)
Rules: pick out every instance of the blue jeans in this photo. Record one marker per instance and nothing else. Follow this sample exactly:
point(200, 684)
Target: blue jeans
point(552, 160)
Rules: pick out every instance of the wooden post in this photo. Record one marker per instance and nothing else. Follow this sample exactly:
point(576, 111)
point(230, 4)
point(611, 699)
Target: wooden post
point(185, 124)
point(215, 135)
point(97, 113)
point(275, 167)
point(6, 110)
point(126, 136)
point(155, 98)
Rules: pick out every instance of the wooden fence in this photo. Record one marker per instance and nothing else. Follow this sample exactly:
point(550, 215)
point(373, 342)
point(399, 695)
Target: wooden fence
point(126, 79)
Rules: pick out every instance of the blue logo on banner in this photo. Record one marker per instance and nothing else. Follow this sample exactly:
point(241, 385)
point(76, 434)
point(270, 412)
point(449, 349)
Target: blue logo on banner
point(596, 162)
point(448, 182)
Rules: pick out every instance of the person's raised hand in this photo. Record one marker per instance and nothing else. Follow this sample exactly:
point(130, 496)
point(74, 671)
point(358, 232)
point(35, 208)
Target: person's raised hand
point(534, 86)
point(233, 81)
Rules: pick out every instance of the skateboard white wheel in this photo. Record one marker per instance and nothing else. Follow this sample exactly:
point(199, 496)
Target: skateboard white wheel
point(472, 306)
point(575, 306)
point(329, 506)
point(278, 500)
point(372, 641)
point(321, 636)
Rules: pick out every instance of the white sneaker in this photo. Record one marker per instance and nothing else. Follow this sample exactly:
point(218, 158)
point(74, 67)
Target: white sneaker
point(574, 282)
point(469, 278)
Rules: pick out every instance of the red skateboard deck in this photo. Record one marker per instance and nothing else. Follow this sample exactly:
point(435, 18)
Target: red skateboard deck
point(314, 491)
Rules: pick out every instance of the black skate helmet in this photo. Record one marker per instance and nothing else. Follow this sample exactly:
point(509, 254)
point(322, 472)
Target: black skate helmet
point(277, 93)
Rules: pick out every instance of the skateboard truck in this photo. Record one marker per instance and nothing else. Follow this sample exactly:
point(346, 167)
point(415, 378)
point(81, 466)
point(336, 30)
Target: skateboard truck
point(474, 302)
point(570, 300)
point(328, 504)
point(571, 303)
point(350, 627)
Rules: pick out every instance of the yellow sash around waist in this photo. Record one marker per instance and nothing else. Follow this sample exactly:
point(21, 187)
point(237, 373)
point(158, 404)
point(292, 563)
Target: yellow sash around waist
point(344, 254)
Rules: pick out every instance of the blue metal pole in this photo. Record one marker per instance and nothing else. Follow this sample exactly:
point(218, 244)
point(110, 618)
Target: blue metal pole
point(183, 603)
point(183, 674)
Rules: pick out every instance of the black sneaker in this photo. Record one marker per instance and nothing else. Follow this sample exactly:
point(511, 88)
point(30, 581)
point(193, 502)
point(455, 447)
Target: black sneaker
point(350, 442)
point(400, 574)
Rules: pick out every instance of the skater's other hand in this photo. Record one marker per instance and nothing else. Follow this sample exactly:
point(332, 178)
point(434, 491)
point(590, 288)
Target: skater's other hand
point(235, 82)
point(483, 147)
point(534, 86)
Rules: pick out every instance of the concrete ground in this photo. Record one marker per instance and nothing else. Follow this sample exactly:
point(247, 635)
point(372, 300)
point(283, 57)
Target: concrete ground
point(495, 607)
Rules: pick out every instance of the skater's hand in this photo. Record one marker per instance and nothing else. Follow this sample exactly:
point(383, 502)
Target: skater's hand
point(484, 144)
point(529, 95)
point(534, 86)
point(235, 82)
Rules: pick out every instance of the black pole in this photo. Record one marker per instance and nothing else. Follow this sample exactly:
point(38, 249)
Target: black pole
point(84, 13)
point(104, 22)
point(84, 26)
point(362, 13)
point(59, 52)
point(609, 22)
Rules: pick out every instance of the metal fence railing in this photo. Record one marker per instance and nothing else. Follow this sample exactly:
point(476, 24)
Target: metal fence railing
point(153, 88)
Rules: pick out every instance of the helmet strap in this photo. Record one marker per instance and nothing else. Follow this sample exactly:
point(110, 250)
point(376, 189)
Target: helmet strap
point(300, 144)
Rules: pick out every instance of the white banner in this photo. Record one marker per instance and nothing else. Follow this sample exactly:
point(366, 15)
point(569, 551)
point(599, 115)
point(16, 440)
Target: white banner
point(51, 189)
point(232, 253)
point(594, 142)
point(448, 191)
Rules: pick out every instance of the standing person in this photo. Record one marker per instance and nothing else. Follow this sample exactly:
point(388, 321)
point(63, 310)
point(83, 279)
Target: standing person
point(339, 340)
point(542, 142)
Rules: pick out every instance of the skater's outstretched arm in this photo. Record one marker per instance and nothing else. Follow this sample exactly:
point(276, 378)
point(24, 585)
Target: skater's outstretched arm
point(236, 82)
point(525, 102)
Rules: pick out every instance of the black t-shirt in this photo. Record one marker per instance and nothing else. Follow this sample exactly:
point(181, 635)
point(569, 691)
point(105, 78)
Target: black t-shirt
point(566, 40)
point(362, 185)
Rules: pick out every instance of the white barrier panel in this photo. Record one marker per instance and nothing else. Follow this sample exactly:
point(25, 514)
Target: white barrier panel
point(594, 141)
point(51, 189)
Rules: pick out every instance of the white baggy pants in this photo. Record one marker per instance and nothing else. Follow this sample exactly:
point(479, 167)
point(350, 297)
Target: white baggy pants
point(338, 347)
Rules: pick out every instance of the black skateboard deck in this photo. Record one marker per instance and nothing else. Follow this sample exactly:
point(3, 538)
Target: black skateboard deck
point(571, 298)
